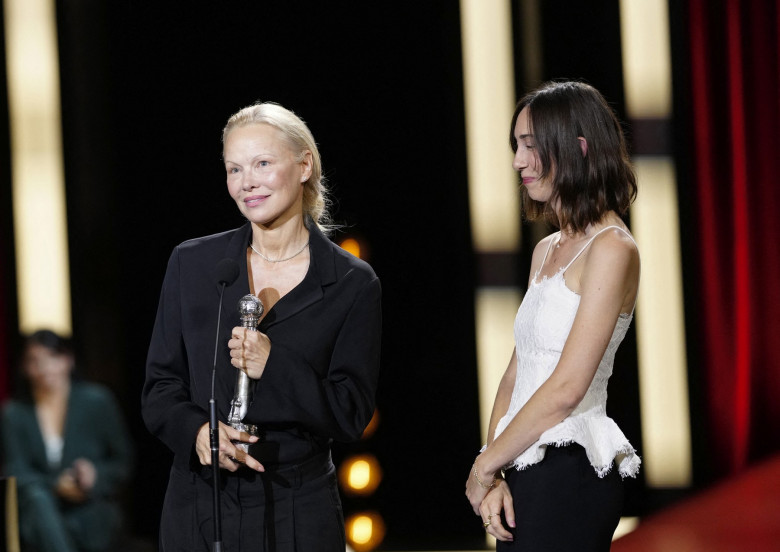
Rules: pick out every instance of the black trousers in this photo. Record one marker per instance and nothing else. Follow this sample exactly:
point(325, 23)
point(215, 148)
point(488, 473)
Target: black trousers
point(293, 509)
point(562, 505)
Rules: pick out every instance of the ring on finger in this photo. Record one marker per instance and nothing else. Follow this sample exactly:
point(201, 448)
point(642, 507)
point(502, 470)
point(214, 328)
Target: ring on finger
point(486, 525)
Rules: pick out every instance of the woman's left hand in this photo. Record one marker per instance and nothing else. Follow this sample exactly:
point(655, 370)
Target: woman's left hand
point(67, 488)
point(75, 483)
point(475, 491)
point(497, 500)
point(249, 351)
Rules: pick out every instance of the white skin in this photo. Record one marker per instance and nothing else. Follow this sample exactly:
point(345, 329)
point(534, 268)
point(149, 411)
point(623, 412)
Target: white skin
point(606, 277)
point(49, 375)
point(266, 180)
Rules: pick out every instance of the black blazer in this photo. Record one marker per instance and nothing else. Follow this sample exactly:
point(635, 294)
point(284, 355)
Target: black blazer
point(321, 376)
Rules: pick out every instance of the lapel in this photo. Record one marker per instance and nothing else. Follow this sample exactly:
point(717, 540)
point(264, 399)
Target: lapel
point(70, 434)
point(322, 272)
point(29, 421)
point(236, 250)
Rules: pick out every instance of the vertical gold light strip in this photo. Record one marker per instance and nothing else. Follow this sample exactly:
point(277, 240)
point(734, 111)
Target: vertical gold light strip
point(663, 385)
point(496, 308)
point(647, 76)
point(488, 74)
point(37, 168)
point(11, 515)
point(660, 320)
point(488, 84)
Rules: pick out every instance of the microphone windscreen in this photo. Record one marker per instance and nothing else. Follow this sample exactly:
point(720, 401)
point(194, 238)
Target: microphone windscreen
point(226, 272)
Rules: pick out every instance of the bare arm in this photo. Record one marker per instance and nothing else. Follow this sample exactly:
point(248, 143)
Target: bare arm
point(503, 396)
point(609, 281)
point(487, 496)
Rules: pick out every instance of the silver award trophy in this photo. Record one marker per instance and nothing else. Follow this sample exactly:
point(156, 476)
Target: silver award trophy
point(251, 309)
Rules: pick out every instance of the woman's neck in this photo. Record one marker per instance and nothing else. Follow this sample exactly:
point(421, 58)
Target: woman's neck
point(52, 395)
point(280, 241)
point(569, 234)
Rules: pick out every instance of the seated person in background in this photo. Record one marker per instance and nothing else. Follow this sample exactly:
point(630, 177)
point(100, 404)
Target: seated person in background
point(67, 445)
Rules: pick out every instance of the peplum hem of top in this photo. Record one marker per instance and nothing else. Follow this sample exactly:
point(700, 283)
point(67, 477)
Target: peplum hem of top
point(604, 444)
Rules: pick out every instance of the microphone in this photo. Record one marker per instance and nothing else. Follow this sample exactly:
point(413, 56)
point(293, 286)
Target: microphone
point(225, 273)
point(251, 309)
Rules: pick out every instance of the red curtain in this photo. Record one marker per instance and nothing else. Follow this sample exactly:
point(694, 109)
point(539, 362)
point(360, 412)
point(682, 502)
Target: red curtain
point(734, 96)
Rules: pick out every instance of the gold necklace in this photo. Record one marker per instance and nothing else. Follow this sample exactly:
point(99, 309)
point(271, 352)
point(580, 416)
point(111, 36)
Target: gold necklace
point(280, 260)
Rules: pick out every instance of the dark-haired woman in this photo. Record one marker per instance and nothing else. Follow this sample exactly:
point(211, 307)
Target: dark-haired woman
point(550, 477)
point(66, 443)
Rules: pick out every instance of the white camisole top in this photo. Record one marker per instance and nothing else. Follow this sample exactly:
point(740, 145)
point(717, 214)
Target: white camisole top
point(542, 325)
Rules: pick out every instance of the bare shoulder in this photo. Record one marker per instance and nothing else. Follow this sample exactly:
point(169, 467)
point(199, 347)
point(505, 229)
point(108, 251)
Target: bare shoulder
point(539, 250)
point(613, 252)
point(543, 245)
point(615, 244)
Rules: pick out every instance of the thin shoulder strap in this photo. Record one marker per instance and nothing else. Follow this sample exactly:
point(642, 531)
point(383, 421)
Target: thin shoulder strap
point(549, 246)
point(584, 247)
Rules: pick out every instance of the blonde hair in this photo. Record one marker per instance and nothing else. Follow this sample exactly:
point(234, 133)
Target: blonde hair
point(300, 140)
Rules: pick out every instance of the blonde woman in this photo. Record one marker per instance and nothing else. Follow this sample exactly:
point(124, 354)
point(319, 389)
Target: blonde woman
point(314, 360)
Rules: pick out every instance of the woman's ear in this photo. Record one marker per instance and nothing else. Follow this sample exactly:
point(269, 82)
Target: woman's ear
point(583, 146)
point(307, 166)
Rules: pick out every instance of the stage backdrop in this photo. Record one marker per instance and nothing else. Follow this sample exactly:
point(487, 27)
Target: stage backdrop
point(729, 96)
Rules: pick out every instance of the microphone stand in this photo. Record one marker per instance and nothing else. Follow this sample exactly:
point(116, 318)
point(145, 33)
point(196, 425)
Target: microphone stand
point(214, 439)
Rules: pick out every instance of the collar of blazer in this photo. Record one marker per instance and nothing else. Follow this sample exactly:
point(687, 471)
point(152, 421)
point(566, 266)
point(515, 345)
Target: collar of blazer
point(322, 272)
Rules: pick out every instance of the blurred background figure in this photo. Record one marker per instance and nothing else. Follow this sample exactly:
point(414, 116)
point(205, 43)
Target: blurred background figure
point(66, 443)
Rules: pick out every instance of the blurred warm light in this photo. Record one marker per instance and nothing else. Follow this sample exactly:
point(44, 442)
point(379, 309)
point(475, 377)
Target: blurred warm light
point(494, 206)
point(365, 531)
point(496, 308)
point(647, 65)
point(360, 474)
point(372, 425)
point(38, 187)
point(660, 328)
point(625, 526)
point(660, 324)
point(352, 246)
point(489, 94)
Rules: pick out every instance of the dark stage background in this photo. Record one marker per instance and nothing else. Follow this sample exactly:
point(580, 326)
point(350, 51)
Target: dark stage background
point(146, 89)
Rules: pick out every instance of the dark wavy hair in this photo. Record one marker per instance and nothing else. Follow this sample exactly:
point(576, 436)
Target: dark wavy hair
point(586, 187)
point(46, 338)
point(51, 340)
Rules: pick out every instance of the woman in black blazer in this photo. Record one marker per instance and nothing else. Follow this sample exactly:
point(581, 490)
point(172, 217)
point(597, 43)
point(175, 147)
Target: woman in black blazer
point(313, 362)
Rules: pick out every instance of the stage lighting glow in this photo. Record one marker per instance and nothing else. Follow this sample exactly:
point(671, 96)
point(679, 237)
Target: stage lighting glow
point(660, 320)
point(372, 425)
point(365, 531)
point(352, 246)
point(489, 100)
point(37, 173)
point(360, 474)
